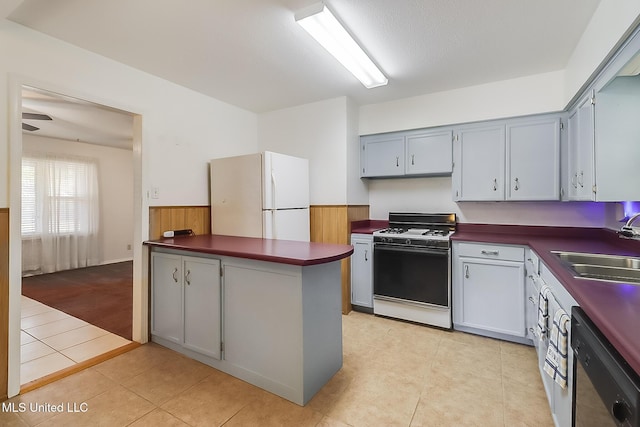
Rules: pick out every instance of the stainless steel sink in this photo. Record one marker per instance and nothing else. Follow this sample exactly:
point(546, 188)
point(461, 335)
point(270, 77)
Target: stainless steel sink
point(609, 268)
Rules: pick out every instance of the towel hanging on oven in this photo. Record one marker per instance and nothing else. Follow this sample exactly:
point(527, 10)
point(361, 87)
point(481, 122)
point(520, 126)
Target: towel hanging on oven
point(555, 363)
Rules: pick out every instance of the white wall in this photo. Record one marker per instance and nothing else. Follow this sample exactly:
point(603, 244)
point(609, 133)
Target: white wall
point(527, 95)
point(434, 195)
point(318, 132)
point(609, 25)
point(178, 131)
point(182, 129)
point(115, 180)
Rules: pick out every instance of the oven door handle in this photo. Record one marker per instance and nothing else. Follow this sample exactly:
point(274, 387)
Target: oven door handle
point(401, 248)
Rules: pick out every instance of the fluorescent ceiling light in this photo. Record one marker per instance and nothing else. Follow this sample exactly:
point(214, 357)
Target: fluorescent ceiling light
point(325, 28)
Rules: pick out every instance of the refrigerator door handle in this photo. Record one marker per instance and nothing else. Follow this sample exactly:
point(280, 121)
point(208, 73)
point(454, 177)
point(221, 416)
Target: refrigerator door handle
point(273, 189)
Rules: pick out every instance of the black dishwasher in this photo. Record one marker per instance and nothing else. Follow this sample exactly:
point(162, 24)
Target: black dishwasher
point(606, 390)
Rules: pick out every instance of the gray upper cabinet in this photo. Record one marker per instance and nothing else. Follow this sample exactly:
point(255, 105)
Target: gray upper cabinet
point(581, 150)
point(533, 159)
point(410, 153)
point(517, 159)
point(428, 153)
point(382, 155)
point(479, 163)
point(604, 132)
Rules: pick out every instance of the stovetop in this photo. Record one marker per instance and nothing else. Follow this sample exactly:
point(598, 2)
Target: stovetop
point(417, 229)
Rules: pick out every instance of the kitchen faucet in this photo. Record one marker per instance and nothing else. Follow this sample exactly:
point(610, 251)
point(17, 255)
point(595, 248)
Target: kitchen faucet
point(627, 230)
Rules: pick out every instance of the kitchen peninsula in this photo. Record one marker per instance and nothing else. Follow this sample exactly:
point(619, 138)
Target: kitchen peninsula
point(265, 311)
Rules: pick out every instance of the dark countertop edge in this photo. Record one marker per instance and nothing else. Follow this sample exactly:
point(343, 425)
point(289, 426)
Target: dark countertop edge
point(368, 226)
point(543, 240)
point(170, 243)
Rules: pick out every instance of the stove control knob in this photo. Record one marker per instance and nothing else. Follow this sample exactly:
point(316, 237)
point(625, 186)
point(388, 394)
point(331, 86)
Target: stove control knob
point(408, 241)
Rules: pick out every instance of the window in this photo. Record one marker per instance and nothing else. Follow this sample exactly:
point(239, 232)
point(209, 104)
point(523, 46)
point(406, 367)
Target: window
point(59, 196)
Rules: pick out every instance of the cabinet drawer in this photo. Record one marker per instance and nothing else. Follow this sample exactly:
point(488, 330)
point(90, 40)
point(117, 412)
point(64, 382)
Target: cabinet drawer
point(489, 251)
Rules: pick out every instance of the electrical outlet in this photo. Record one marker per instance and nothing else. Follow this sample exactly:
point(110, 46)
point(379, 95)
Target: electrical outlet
point(129, 247)
point(155, 193)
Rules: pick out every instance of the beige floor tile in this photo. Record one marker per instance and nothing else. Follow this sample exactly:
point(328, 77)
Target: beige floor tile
point(536, 411)
point(382, 397)
point(394, 374)
point(168, 380)
point(330, 422)
point(115, 407)
point(328, 395)
point(43, 366)
point(74, 337)
point(34, 350)
point(271, 410)
point(10, 418)
point(55, 327)
point(451, 400)
point(25, 338)
point(42, 319)
point(521, 366)
point(34, 309)
point(94, 347)
point(76, 388)
point(461, 358)
point(146, 357)
point(213, 401)
point(158, 418)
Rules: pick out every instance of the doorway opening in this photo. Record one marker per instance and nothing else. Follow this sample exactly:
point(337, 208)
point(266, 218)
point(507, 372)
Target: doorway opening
point(77, 228)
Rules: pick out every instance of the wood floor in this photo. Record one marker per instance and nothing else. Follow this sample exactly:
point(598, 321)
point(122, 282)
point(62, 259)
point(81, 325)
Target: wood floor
point(100, 295)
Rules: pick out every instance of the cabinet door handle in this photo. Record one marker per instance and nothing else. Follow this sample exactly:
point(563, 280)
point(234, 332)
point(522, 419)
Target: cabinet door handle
point(574, 180)
point(495, 184)
point(366, 258)
point(175, 274)
point(412, 159)
point(517, 185)
point(581, 179)
point(397, 161)
point(532, 300)
point(494, 253)
point(187, 278)
point(466, 271)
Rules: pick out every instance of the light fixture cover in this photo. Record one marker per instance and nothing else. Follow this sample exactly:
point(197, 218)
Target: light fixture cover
point(323, 26)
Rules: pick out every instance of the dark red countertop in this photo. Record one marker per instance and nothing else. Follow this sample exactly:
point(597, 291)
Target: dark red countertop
point(368, 226)
point(280, 251)
point(613, 307)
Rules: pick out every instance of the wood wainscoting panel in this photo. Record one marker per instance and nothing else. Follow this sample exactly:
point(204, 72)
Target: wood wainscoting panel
point(164, 218)
point(4, 302)
point(332, 224)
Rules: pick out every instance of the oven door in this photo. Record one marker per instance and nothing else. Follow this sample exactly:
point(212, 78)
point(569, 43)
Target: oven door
point(419, 275)
point(606, 390)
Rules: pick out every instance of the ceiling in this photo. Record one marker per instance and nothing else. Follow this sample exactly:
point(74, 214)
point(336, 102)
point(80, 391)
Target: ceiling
point(252, 54)
point(77, 120)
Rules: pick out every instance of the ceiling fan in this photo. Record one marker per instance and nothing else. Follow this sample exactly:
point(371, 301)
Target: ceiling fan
point(33, 116)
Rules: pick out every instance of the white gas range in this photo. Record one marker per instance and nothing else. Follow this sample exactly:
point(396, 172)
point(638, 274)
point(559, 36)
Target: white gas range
point(412, 268)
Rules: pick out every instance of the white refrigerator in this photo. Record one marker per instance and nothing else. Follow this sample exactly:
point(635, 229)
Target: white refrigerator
point(260, 195)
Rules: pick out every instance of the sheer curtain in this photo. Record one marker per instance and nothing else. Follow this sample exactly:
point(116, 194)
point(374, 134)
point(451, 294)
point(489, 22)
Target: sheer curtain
point(60, 213)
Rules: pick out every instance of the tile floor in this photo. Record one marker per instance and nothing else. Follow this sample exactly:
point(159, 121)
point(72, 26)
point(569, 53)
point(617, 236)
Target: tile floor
point(52, 340)
point(394, 374)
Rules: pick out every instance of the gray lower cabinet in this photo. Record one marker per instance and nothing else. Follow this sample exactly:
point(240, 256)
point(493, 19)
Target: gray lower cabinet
point(276, 326)
point(488, 290)
point(532, 292)
point(560, 399)
point(362, 271)
point(185, 305)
